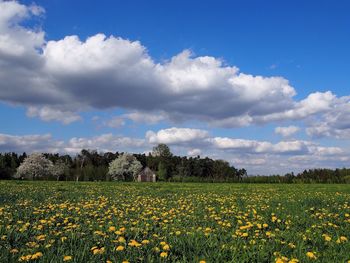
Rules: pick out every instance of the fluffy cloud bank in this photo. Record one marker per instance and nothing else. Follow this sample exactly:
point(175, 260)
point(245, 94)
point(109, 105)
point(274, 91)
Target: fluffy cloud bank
point(45, 143)
point(176, 136)
point(58, 79)
point(286, 131)
point(256, 156)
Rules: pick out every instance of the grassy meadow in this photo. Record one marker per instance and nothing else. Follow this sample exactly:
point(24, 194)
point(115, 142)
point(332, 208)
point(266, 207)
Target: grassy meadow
point(170, 222)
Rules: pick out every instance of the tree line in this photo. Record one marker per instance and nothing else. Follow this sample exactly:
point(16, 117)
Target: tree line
point(90, 165)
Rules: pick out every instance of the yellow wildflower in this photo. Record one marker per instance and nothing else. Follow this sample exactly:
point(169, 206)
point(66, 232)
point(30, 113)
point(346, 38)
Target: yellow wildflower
point(311, 255)
point(67, 258)
point(37, 255)
point(166, 247)
point(119, 248)
point(121, 240)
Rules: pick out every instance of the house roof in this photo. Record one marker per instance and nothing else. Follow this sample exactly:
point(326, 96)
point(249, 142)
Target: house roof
point(147, 171)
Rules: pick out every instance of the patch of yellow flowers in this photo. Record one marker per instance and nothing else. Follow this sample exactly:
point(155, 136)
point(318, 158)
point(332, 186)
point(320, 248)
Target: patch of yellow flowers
point(133, 223)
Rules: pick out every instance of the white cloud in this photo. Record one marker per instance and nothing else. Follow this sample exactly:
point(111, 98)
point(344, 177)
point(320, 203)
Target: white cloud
point(102, 72)
point(194, 152)
point(287, 131)
point(236, 144)
point(116, 122)
point(334, 123)
point(146, 117)
point(50, 114)
point(249, 161)
point(29, 143)
point(324, 151)
point(105, 143)
point(45, 143)
point(176, 135)
point(254, 146)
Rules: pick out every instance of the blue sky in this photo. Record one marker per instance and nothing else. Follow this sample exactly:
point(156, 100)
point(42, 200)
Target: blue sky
point(262, 84)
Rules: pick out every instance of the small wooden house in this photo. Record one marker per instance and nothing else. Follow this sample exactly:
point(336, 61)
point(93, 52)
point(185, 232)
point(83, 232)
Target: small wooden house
point(146, 175)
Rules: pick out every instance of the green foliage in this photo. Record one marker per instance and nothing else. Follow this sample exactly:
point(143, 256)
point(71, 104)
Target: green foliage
point(162, 150)
point(90, 165)
point(162, 173)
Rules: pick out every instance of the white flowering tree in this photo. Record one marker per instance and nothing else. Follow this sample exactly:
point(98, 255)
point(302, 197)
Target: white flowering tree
point(34, 166)
point(125, 167)
point(59, 169)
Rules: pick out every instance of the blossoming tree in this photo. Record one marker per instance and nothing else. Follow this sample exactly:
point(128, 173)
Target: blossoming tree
point(124, 167)
point(34, 166)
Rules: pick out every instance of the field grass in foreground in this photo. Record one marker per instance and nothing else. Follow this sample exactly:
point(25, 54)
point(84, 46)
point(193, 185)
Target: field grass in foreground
point(168, 222)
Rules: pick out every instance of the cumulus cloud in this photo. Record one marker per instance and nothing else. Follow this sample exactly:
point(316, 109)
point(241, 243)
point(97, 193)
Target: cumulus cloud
point(197, 139)
point(176, 136)
point(334, 123)
point(104, 142)
point(115, 122)
point(146, 117)
point(29, 143)
point(50, 114)
point(254, 146)
point(287, 131)
point(101, 72)
point(45, 143)
point(194, 152)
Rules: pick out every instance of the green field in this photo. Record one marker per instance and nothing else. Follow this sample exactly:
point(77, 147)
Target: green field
point(168, 222)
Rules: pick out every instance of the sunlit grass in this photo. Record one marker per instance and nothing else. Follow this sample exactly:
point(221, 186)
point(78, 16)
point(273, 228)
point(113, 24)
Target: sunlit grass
point(116, 222)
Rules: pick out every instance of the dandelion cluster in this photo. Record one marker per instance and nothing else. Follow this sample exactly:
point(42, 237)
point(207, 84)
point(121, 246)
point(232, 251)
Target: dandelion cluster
point(126, 222)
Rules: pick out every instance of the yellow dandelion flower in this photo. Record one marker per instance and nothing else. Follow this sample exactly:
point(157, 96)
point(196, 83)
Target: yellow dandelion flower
point(37, 255)
point(327, 237)
point(343, 239)
point(166, 247)
point(311, 255)
point(119, 248)
point(121, 240)
point(67, 258)
point(163, 254)
point(40, 237)
point(291, 245)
